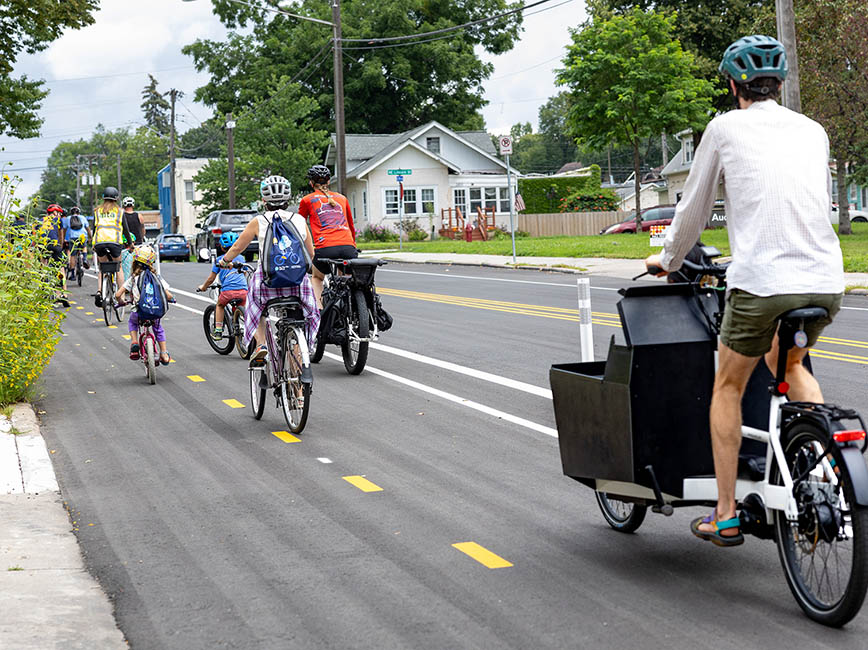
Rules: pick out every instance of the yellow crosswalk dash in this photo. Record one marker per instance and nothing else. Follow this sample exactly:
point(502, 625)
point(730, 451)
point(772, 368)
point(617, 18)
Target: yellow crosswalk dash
point(87, 313)
point(126, 336)
point(362, 483)
point(195, 378)
point(286, 436)
point(233, 403)
point(482, 555)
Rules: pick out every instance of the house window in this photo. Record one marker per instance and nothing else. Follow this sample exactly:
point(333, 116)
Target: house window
point(835, 190)
point(391, 202)
point(459, 198)
point(428, 200)
point(852, 194)
point(475, 199)
point(432, 144)
point(688, 151)
point(409, 201)
point(504, 199)
point(491, 197)
point(188, 190)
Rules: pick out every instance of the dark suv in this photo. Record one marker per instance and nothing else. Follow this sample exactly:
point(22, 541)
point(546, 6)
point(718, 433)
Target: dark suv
point(220, 221)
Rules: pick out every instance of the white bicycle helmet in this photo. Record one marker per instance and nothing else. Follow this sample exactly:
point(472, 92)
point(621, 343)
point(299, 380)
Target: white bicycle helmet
point(129, 202)
point(275, 189)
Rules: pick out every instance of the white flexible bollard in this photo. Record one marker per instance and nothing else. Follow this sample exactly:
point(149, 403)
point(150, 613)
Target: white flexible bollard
point(586, 328)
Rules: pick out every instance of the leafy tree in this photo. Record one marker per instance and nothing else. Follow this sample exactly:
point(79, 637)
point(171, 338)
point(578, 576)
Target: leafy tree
point(629, 81)
point(203, 141)
point(553, 124)
point(155, 107)
point(704, 28)
point(387, 89)
point(281, 137)
point(833, 65)
point(29, 26)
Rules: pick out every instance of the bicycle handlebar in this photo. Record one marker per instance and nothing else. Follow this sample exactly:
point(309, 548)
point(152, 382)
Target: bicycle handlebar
point(345, 262)
point(717, 270)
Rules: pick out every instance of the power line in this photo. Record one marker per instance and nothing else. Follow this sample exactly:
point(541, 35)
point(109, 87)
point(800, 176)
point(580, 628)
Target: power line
point(119, 74)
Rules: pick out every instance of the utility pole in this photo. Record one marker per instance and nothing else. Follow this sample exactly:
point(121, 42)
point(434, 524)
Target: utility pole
point(78, 181)
point(609, 156)
point(230, 152)
point(173, 95)
point(340, 133)
point(786, 22)
point(664, 148)
point(120, 192)
point(91, 180)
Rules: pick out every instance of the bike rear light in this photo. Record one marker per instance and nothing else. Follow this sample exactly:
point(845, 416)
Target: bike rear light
point(783, 388)
point(217, 231)
point(849, 436)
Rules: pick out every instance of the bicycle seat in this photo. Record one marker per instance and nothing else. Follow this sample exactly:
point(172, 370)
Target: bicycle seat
point(803, 314)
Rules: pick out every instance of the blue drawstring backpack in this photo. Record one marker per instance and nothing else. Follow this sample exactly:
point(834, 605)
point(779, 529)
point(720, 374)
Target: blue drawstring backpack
point(284, 258)
point(152, 303)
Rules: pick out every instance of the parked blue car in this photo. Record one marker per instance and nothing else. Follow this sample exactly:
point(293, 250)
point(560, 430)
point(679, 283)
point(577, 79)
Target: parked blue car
point(173, 247)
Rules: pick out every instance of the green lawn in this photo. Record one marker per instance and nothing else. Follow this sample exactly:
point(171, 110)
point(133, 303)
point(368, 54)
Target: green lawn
point(855, 246)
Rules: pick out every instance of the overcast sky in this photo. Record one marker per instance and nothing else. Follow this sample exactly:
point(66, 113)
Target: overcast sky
point(96, 74)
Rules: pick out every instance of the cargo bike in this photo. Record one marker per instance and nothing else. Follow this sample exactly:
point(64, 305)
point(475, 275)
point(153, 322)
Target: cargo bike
point(635, 429)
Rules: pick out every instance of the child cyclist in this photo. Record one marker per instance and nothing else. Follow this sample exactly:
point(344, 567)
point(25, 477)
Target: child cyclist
point(233, 284)
point(144, 258)
point(275, 191)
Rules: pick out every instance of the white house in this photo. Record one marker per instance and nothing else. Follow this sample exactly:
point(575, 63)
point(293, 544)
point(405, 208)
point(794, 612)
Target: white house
point(185, 193)
point(447, 169)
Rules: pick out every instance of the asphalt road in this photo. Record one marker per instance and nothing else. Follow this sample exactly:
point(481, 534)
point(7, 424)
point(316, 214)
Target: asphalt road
point(209, 531)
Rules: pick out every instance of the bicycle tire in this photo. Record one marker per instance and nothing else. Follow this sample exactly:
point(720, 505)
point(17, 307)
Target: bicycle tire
point(627, 521)
point(224, 345)
point(107, 299)
point(291, 386)
point(151, 360)
point(238, 331)
point(360, 316)
point(257, 391)
point(79, 271)
point(803, 441)
point(318, 349)
point(118, 310)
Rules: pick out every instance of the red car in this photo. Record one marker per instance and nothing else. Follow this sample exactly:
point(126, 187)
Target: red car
point(660, 215)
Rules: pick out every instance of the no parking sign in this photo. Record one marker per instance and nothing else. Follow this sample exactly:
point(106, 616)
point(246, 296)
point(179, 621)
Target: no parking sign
point(505, 145)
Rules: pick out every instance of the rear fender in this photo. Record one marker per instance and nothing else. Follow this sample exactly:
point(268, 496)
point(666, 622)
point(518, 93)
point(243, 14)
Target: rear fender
point(858, 471)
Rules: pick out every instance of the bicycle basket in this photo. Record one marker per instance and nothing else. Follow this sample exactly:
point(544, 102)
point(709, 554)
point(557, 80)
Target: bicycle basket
point(363, 271)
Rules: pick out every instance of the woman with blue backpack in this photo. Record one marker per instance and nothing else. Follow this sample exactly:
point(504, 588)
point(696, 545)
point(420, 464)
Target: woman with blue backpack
point(150, 297)
point(285, 251)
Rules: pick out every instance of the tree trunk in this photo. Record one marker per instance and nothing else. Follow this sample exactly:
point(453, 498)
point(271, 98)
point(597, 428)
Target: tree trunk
point(843, 198)
point(637, 185)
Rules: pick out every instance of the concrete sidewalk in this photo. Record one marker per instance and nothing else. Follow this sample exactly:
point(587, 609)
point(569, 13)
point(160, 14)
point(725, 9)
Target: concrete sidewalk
point(49, 600)
point(612, 267)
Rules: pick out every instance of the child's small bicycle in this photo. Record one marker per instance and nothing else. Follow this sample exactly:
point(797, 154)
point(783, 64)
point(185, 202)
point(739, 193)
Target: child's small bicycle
point(149, 349)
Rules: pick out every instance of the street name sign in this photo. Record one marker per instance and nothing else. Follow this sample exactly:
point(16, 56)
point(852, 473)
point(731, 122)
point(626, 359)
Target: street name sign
point(400, 172)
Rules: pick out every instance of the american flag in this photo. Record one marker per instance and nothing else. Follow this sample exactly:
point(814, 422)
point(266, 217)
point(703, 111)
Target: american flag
point(519, 203)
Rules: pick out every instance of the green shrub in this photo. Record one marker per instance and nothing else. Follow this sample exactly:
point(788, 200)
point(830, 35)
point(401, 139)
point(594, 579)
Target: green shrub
point(29, 325)
point(412, 230)
point(503, 233)
point(598, 201)
point(542, 195)
point(378, 233)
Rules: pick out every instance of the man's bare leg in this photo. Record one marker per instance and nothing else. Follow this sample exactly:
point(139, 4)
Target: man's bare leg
point(733, 372)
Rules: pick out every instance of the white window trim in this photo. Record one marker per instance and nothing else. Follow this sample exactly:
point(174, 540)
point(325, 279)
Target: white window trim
point(482, 187)
point(418, 189)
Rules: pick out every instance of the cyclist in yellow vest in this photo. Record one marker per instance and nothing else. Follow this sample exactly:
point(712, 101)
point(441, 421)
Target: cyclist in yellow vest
point(109, 233)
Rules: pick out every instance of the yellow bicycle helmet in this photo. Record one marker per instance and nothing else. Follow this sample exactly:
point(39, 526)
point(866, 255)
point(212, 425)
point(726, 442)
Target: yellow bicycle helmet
point(146, 255)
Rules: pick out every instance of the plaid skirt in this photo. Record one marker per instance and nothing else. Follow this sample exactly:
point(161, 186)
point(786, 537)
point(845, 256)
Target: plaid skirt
point(258, 295)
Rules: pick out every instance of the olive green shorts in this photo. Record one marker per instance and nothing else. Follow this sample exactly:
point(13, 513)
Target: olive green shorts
point(750, 321)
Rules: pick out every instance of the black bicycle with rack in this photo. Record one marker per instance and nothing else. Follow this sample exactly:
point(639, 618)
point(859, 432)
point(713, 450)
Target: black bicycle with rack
point(233, 319)
point(635, 429)
point(352, 315)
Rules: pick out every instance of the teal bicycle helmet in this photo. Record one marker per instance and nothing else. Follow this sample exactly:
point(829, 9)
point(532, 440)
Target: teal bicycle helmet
point(754, 56)
point(227, 239)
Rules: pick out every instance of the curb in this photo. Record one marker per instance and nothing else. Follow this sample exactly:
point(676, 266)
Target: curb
point(859, 291)
point(549, 269)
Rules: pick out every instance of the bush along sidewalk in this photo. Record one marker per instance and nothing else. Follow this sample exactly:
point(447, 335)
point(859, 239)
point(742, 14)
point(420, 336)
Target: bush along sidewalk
point(29, 324)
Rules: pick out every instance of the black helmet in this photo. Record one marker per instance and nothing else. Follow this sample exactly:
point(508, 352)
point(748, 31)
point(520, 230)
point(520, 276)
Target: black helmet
point(110, 193)
point(319, 174)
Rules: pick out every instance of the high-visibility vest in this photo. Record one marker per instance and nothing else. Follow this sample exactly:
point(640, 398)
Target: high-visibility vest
point(108, 227)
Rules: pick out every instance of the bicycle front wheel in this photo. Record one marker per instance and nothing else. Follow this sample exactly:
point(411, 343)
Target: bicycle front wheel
point(151, 355)
point(622, 516)
point(79, 270)
point(294, 392)
point(354, 351)
point(825, 552)
point(226, 343)
point(238, 331)
point(258, 387)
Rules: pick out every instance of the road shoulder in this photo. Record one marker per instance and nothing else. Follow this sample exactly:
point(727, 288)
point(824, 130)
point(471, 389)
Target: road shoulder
point(49, 599)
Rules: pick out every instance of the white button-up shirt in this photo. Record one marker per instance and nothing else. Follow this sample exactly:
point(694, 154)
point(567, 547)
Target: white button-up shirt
point(778, 189)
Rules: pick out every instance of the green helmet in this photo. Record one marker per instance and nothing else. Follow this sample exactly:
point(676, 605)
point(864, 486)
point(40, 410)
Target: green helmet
point(754, 56)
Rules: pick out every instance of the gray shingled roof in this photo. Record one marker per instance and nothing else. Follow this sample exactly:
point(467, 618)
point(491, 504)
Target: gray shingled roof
point(675, 165)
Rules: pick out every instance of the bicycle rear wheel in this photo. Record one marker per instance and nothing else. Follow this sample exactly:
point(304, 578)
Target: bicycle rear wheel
point(258, 386)
point(151, 359)
point(79, 270)
point(225, 344)
point(318, 348)
point(107, 298)
point(294, 393)
point(238, 331)
point(354, 351)
point(825, 552)
point(622, 516)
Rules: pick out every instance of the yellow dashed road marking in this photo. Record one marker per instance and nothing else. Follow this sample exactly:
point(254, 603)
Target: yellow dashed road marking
point(482, 555)
point(127, 337)
point(233, 403)
point(81, 308)
point(87, 313)
point(112, 327)
point(362, 483)
point(286, 436)
point(195, 378)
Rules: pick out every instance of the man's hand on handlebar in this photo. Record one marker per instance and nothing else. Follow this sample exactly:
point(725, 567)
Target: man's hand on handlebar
point(654, 265)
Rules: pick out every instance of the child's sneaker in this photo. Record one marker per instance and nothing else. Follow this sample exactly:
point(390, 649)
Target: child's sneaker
point(134, 352)
point(218, 333)
point(167, 360)
point(258, 358)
